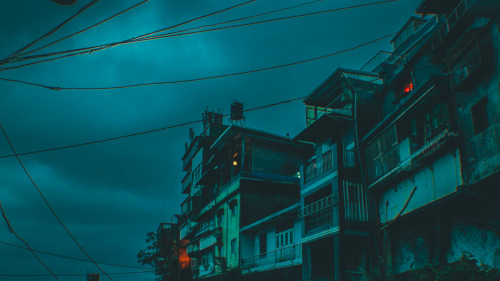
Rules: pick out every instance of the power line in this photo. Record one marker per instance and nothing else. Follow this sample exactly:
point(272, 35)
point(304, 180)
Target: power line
point(203, 78)
point(138, 133)
point(89, 50)
point(90, 4)
point(71, 258)
point(48, 204)
point(11, 230)
point(109, 45)
point(88, 28)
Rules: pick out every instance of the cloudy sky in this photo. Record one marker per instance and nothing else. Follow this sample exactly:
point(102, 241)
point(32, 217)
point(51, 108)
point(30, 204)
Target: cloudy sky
point(111, 194)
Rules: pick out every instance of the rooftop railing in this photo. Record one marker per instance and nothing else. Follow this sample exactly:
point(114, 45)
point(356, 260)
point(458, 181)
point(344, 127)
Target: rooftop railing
point(450, 22)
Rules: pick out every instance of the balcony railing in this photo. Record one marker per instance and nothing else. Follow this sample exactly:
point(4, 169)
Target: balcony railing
point(318, 206)
point(349, 158)
point(319, 167)
point(384, 57)
point(322, 219)
point(355, 203)
point(273, 258)
point(451, 21)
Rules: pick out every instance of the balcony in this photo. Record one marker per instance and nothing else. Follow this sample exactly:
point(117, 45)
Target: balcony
point(383, 60)
point(355, 203)
point(349, 158)
point(319, 167)
point(453, 19)
point(417, 159)
point(320, 214)
point(283, 257)
point(467, 67)
point(186, 183)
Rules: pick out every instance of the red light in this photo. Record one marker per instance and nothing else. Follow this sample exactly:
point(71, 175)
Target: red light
point(408, 88)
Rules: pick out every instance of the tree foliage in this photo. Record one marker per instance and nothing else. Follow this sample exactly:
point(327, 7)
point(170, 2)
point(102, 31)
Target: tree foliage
point(161, 254)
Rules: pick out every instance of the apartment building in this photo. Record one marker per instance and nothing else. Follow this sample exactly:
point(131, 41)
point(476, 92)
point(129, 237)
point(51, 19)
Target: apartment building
point(236, 177)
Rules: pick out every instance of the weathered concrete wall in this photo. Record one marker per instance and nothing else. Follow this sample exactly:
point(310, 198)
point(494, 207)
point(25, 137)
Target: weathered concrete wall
point(481, 152)
point(482, 243)
point(434, 181)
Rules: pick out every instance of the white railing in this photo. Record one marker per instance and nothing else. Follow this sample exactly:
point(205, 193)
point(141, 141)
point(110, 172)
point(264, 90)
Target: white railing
point(273, 258)
point(451, 21)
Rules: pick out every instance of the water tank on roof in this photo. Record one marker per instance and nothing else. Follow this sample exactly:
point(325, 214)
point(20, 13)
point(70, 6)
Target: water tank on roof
point(236, 111)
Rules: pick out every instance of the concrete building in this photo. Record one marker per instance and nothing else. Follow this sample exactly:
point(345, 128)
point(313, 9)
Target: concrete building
point(336, 232)
point(432, 158)
point(271, 247)
point(237, 177)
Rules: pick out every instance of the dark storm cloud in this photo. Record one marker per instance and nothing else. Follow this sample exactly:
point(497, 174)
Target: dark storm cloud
point(111, 194)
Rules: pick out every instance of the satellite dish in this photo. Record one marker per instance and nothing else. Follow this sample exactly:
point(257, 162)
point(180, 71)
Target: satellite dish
point(64, 2)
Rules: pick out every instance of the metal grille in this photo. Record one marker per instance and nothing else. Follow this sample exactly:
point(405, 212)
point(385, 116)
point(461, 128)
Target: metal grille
point(355, 204)
point(451, 21)
point(319, 167)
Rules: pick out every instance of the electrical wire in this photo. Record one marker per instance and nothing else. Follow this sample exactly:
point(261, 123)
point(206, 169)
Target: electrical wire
point(109, 45)
point(90, 4)
point(140, 133)
point(11, 230)
point(89, 50)
point(71, 258)
point(88, 28)
point(167, 195)
point(203, 78)
point(48, 204)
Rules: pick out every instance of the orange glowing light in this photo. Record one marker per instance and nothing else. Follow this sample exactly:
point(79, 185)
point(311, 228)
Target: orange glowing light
point(183, 259)
point(408, 88)
point(235, 163)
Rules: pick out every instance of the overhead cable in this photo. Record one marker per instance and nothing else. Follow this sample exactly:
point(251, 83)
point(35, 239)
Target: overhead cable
point(88, 28)
point(139, 133)
point(48, 204)
point(109, 45)
point(90, 4)
point(71, 258)
point(90, 50)
point(11, 230)
point(202, 78)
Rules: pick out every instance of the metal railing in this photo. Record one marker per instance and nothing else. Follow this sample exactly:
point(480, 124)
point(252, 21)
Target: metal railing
point(451, 21)
point(355, 203)
point(284, 254)
point(319, 167)
point(318, 206)
point(319, 220)
point(349, 158)
point(384, 57)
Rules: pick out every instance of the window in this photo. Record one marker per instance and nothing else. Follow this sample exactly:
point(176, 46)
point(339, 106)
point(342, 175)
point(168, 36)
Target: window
point(220, 217)
point(233, 207)
point(233, 246)
point(382, 154)
point(480, 116)
point(284, 239)
point(196, 174)
point(263, 243)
